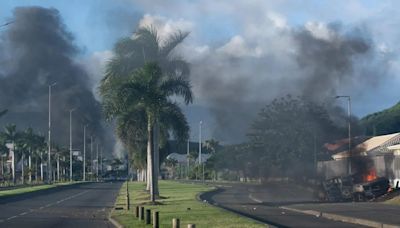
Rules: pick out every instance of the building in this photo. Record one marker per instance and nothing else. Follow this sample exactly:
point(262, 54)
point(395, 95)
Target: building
point(378, 156)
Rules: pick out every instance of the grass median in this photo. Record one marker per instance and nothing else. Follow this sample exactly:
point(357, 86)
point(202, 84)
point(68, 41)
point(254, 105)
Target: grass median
point(178, 200)
point(28, 189)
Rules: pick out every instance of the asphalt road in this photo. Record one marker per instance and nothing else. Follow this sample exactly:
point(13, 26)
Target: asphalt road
point(82, 205)
point(262, 203)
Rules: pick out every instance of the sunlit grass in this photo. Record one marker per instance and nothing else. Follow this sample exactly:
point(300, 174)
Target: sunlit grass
point(178, 200)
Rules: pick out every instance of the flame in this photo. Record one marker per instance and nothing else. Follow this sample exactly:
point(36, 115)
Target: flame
point(370, 176)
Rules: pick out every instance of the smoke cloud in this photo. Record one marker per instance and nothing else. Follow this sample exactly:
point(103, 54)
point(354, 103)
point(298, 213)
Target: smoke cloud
point(317, 61)
point(37, 50)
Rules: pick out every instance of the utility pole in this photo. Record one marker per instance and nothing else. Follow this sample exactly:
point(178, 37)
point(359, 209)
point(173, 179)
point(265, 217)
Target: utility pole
point(91, 156)
point(187, 160)
point(84, 152)
point(70, 143)
point(200, 155)
point(49, 142)
point(97, 161)
point(349, 130)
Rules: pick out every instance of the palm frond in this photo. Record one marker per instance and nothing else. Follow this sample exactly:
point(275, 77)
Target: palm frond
point(172, 42)
point(178, 86)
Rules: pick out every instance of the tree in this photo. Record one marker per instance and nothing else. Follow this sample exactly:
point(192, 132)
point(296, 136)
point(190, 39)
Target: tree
point(287, 133)
point(146, 46)
point(146, 94)
point(11, 135)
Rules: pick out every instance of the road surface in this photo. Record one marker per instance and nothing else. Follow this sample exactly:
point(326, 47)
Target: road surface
point(263, 204)
point(81, 205)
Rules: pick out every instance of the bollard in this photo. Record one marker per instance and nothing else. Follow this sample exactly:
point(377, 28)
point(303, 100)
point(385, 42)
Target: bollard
point(175, 223)
point(156, 223)
point(141, 213)
point(137, 211)
point(148, 216)
point(191, 225)
point(127, 202)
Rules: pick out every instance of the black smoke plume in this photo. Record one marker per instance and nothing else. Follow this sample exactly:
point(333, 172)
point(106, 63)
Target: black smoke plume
point(314, 66)
point(37, 50)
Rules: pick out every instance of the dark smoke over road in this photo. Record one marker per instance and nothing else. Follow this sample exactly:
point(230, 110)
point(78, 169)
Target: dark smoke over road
point(37, 50)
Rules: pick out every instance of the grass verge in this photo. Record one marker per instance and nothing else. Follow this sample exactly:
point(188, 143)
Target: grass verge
point(178, 200)
point(18, 191)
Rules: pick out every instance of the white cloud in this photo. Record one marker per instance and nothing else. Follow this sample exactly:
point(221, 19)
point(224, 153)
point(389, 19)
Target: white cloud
point(320, 31)
point(165, 26)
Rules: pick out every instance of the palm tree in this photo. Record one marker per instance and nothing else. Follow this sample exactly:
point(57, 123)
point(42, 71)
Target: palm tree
point(147, 93)
point(10, 135)
point(133, 53)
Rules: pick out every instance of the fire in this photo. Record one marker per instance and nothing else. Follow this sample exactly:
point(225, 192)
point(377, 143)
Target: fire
point(370, 176)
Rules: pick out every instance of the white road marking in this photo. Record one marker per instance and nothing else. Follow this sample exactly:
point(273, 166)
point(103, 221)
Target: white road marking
point(12, 217)
point(47, 205)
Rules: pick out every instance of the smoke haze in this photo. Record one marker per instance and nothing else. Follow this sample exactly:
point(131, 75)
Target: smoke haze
point(37, 50)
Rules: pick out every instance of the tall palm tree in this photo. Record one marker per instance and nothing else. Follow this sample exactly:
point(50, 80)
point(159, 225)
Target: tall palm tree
point(147, 94)
point(10, 135)
point(133, 52)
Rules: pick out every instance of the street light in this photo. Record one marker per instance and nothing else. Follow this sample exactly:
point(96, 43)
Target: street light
point(49, 152)
point(349, 126)
point(84, 152)
point(70, 143)
point(200, 155)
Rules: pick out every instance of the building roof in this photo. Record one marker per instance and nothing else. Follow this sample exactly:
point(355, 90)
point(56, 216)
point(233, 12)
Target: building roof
point(372, 146)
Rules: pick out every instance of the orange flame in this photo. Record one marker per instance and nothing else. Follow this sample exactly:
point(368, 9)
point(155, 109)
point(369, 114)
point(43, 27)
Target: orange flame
point(370, 176)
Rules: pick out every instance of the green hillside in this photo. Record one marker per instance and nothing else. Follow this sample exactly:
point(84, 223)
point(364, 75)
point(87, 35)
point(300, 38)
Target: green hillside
point(383, 122)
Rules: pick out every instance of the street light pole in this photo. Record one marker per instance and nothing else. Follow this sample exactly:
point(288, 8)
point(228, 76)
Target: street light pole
point(349, 130)
point(200, 155)
point(97, 161)
point(84, 152)
point(70, 143)
point(49, 143)
point(187, 160)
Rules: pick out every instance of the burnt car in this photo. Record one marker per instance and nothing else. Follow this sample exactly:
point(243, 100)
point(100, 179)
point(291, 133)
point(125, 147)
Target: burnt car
point(372, 189)
point(344, 189)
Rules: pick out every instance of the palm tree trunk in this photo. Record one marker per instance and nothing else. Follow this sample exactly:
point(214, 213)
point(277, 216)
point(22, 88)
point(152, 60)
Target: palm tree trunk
point(30, 166)
point(13, 163)
point(41, 166)
point(150, 159)
point(22, 168)
point(156, 157)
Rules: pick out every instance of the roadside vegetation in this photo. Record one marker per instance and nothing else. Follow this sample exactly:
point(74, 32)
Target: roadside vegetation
point(178, 200)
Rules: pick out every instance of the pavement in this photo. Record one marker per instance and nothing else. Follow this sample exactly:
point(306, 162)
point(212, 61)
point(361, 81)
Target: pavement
point(288, 205)
point(79, 205)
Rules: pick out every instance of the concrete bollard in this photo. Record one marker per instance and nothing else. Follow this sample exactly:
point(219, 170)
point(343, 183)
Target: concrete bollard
point(128, 204)
point(137, 211)
point(148, 216)
point(175, 223)
point(156, 223)
point(141, 213)
point(191, 225)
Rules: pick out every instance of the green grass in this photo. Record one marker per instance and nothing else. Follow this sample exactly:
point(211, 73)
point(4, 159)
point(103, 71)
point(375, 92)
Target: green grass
point(175, 200)
point(23, 190)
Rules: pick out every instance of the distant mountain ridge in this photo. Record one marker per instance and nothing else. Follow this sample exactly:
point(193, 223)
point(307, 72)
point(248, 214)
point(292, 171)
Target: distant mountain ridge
point(383, 122)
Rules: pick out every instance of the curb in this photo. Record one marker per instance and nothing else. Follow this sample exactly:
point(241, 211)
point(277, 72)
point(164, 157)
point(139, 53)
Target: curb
point(342, 218)
point(115, 223)
point(228, 210)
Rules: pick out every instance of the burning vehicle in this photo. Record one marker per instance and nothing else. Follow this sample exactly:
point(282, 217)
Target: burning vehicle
point(367, 172)
point(347, 189)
